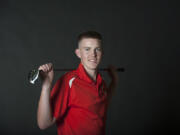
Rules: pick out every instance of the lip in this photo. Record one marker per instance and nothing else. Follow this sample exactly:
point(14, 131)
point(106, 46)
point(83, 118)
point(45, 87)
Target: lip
point(93, 60)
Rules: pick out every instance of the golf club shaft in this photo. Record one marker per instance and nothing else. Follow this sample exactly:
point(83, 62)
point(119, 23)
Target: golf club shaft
point(101, 69)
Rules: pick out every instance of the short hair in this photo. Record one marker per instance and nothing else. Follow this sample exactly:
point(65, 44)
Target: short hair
point(89, 34)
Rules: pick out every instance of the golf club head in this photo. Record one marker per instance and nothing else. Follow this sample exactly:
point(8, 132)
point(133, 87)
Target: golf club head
point(33, 76)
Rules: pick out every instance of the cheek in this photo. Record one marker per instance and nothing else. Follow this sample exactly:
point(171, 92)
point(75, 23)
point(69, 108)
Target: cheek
point(84, 55)
point(99, 54)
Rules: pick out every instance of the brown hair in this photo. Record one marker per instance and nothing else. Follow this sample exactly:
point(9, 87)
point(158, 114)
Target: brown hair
point(89, 34)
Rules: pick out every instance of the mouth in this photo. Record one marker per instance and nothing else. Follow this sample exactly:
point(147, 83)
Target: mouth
point(93, 60)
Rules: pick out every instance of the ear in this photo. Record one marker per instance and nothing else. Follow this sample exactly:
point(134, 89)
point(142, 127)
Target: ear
point(77, 52)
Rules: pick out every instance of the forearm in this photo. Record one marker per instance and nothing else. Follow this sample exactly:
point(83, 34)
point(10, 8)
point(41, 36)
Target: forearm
point(111, 89)
point(114, 81)
point(44, 113)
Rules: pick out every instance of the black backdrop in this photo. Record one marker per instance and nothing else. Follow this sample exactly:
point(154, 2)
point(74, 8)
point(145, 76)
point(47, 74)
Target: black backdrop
point(141, 36)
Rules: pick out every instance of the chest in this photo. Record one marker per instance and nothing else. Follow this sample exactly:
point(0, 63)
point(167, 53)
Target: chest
point(88, 96)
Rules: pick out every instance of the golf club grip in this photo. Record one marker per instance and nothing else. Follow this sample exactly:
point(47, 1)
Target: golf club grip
point(101, 69)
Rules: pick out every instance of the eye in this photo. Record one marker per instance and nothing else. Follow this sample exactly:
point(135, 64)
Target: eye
point(87, 49)
point(98, 49)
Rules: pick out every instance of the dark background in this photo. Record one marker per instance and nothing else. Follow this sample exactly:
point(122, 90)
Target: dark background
point(141, 36)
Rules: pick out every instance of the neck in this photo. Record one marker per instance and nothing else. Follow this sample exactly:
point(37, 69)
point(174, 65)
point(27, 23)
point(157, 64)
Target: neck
point(92, 74)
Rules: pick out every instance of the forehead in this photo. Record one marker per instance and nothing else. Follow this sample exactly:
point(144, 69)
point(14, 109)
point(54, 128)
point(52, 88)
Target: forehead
point(90, 42)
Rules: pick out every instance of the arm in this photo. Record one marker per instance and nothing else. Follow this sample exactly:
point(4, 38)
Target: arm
point(114, 82)
point(44, 112)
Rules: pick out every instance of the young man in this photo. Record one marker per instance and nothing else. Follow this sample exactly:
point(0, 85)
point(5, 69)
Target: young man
point(79, 99)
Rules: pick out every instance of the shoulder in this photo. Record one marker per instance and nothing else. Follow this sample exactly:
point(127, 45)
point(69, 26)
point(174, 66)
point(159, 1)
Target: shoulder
point(68, 77)
point(103, 82)
point(102, 78)
point(70, 74)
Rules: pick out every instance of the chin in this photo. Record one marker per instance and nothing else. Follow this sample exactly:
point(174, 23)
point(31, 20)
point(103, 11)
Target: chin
point(93, 67)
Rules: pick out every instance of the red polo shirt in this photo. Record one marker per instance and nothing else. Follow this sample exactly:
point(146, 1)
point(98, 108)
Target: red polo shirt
point(79, 104)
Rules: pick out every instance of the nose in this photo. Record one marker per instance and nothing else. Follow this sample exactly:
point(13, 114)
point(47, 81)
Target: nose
point(94, 53)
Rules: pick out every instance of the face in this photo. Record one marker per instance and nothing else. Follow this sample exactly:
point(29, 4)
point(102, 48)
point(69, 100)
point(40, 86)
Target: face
point(90, 53)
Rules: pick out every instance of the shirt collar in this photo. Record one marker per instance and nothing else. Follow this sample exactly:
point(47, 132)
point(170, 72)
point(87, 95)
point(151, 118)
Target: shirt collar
point(84, 76)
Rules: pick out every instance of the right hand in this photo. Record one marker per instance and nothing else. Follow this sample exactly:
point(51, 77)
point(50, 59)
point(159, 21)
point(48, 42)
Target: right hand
point(46, 74)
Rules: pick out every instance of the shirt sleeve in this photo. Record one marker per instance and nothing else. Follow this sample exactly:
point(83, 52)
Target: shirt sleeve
point(59, 98)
